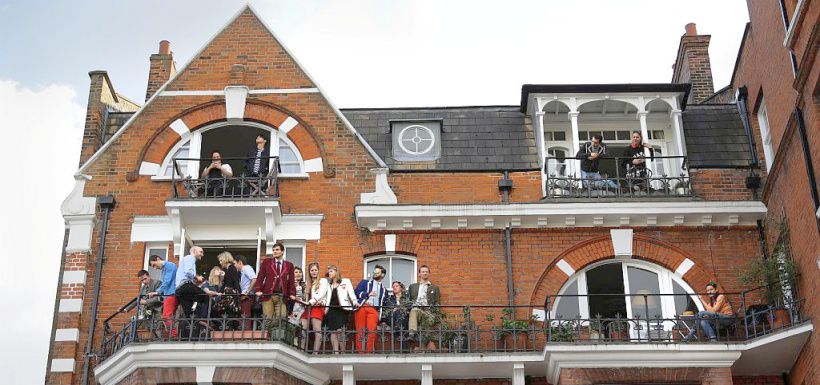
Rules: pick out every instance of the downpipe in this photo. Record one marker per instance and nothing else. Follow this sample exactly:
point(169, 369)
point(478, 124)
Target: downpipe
point(106, 203)
point(506, 185)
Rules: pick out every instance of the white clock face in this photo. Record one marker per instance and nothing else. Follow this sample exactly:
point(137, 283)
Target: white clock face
point(416, 139)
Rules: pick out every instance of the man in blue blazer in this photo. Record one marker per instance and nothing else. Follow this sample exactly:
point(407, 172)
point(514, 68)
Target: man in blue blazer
point(371, 294)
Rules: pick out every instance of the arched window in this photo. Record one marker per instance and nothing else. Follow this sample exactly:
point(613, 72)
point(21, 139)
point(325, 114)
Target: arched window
point(400, 268)
point(557, 164)
point(627, 289)
point(290, 160)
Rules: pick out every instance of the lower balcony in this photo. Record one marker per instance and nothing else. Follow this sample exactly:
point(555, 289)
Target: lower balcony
point(460, 342)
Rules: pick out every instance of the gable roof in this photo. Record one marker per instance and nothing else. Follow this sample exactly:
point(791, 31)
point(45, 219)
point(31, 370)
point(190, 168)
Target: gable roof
point(715, 136)
point(182, 72)
point(479, 138)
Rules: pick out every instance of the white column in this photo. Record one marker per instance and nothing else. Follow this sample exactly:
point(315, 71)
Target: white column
point(538, 126)
point(645, 135)
point(677, 126)
point(576, 142)
point(427, 375)
point(518, 373)
point(347, 375)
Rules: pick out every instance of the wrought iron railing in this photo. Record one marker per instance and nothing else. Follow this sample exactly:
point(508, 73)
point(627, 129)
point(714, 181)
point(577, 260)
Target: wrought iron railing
point(190, 184)
point(461, 329)
point(564, 178)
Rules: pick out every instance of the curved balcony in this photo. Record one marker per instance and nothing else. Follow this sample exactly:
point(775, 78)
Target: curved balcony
point(245, 185)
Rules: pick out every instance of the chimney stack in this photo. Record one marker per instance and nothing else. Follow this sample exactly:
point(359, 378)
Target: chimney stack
point(692, 64)
point(162, 68)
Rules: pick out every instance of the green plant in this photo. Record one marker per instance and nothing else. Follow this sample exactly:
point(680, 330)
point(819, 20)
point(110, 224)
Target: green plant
point(563, 331)
point(778, 273)
point(509, 324)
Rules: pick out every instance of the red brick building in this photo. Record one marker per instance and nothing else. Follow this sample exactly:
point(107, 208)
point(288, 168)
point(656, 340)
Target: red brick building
point(603, 274)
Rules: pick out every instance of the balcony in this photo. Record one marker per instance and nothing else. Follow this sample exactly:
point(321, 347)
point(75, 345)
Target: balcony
point(618, 181)
point(243, 186)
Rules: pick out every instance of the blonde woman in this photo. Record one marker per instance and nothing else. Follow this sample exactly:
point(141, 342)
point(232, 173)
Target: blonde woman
point(232, 278)
point(341, 300)
point(316, 294)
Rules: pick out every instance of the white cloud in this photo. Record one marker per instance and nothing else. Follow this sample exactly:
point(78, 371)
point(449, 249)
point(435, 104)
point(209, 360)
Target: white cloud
point(41, 131)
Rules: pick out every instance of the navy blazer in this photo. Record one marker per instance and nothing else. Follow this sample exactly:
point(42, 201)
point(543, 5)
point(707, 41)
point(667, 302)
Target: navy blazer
point(363, 290)
point(250, 159)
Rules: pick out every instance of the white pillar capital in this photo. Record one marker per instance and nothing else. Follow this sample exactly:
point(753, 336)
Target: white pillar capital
point(518, 375)
point(427, 375)
point(347, 375)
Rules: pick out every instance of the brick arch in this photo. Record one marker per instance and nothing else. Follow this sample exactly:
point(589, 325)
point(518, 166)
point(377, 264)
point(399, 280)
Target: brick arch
point(406, 244)
point(598, 249)
point(164, 138)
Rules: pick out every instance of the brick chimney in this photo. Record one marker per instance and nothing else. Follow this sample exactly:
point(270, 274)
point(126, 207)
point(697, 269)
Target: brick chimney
point(692, 64)
point(162, 68)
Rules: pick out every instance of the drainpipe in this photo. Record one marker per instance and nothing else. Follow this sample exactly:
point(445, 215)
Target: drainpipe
point(505, 185)
point(107, 204)
point(753, 180)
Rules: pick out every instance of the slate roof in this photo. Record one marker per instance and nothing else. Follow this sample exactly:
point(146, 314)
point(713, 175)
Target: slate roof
point(715, 136)
point(483, 138)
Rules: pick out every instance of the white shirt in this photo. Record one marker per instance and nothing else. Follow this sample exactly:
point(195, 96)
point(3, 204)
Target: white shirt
point(247, 276)
point(421, 300)
point(376, 288)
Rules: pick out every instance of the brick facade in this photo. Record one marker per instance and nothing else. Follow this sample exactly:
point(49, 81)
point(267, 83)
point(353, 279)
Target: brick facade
point(462, 261)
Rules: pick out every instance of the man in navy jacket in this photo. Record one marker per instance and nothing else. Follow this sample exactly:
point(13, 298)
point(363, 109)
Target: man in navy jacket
point(371, 295)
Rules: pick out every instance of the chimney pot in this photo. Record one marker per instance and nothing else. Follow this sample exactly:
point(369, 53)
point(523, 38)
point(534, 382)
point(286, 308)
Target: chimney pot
point(165, 47)
point(691, 29)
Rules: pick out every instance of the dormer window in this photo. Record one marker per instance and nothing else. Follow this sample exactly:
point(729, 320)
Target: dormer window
point(416, 140)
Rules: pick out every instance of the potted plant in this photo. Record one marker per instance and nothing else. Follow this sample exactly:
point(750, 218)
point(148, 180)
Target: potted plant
point(563, 331)
point(512, 334)
point(618, 329)
point(594, 328)
point(777, 275)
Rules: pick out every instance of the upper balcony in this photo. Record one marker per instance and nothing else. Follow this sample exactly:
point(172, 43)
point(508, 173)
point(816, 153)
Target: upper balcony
point(218, 180)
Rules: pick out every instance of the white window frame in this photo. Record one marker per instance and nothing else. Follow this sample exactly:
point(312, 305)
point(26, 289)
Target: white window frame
point(300, 244)
point(765, 134)
point(566, 163)
point(389, 266)
point(665, 279)
point(195, 148)
point(153, 246)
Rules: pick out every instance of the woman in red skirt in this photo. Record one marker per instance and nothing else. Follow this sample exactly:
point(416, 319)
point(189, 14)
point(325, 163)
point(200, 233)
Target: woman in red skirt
point(314, 306)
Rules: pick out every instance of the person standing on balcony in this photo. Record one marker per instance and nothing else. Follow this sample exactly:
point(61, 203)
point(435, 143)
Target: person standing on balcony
point(246, 284)
point(371, 295)
point(276, 284)
point(633, 163)
point(341, 300)
point(256, 162)
point(216, 175)
point(167, 290)
point(229, 304)
point(317, 289)
point(188, 291)
point(717, 313)
point(424, 296)
point(149, 306)
point(590, 155)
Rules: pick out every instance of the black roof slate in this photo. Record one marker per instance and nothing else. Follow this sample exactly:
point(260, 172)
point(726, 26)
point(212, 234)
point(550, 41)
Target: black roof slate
point(484, 138)
point(715, 136)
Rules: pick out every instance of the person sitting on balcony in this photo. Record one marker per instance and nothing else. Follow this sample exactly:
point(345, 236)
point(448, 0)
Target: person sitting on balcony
point(718, 313)
point(149, 307)
point(215, 175)
point(633, 163)
point(275, 284)
point(424, 296)
point(395, 316)
point(188, 290)
point(316, 292)
point(167, 290)
point(371, 294)
point(590, 155)
point(246, 284)
point(341, 300)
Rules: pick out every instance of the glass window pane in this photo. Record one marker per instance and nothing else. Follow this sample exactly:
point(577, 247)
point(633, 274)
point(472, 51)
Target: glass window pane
point(657, 134)
point(156, 273)
point(285, 152)
point(623, 135)
point(404, 271)
point(583, 135)
point(568, 307)
point(294, 256)
point(609, 135)
point(683, 301)
point(644, 287)
point(182, 152)
point(602, 282)
point(559, 135)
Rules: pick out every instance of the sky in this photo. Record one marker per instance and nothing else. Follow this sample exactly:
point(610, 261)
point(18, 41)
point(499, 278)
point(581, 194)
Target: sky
point(362, 53)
